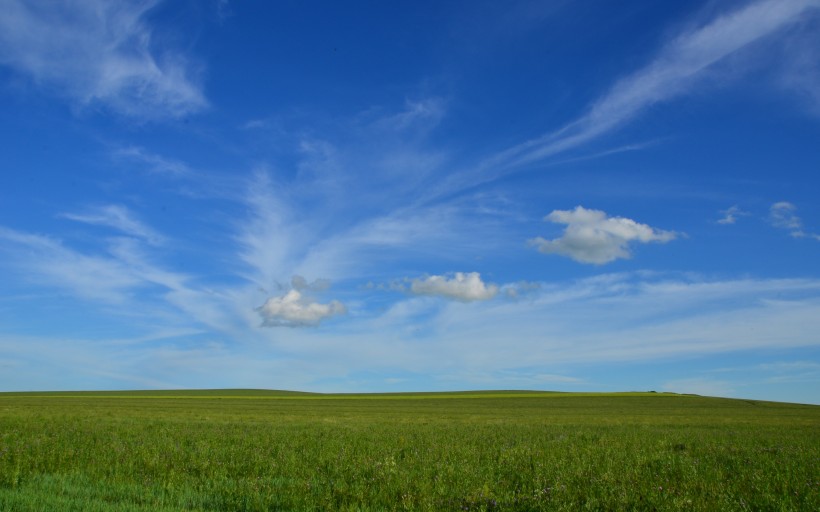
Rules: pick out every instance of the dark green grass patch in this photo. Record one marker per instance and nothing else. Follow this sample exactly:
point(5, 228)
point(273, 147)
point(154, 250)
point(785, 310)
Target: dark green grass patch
point(254, 450)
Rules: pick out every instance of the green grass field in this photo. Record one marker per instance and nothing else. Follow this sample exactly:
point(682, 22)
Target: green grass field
point(265, 450)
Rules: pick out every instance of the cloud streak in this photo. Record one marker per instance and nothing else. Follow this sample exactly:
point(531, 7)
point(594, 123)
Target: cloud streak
point(119, 218)
point(48, 262)
point(677, 69)
point(672, 73)
point(122, 279)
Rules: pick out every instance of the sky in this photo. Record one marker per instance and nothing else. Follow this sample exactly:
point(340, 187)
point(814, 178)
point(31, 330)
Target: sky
point(411, 196)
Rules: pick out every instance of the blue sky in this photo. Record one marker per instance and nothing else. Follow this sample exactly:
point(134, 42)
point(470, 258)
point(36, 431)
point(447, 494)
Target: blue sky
point(580, 196)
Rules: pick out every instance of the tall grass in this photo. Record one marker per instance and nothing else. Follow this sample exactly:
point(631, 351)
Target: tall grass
point(258, 451)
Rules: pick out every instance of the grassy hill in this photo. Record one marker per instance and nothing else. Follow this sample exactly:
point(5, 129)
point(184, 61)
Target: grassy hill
point(482, 450)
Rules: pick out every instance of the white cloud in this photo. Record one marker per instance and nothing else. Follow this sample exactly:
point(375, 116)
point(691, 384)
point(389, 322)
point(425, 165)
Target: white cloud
point(294, 310)
point(461, 286)
point(117, 217)
point(98, 52)
point(731, 214)
point(593, 237)
point(784, 215)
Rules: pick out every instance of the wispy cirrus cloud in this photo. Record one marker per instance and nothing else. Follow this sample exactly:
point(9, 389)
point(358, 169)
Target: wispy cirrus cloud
point(99, 52)
point(677, 69)
point(674, 71)
point(591, 236)
point(153, 162)
point(122, 276)
point(48, 262)
point(120, 218)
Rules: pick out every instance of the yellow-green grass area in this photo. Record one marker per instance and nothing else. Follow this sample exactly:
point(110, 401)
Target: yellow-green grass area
point(507, 450)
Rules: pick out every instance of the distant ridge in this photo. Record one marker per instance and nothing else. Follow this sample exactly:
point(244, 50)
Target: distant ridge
point(276, 393)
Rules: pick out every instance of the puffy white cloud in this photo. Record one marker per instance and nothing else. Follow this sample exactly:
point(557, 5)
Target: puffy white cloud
point(294, 310)
point(98, 52)
point(461, 286)
point(593, 237)
point(783, 215)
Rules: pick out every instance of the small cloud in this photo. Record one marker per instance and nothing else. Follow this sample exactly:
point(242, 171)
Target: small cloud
point(300, 283)
point(593, 237)
point(120, 218)
point(461, 286)
point(783, 215)
point(731, 214)
point(294, 310)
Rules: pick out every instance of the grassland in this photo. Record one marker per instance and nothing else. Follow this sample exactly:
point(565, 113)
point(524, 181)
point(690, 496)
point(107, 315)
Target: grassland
point(262, 450)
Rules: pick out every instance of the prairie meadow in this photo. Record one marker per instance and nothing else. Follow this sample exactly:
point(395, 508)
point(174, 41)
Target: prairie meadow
point(266, 450)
